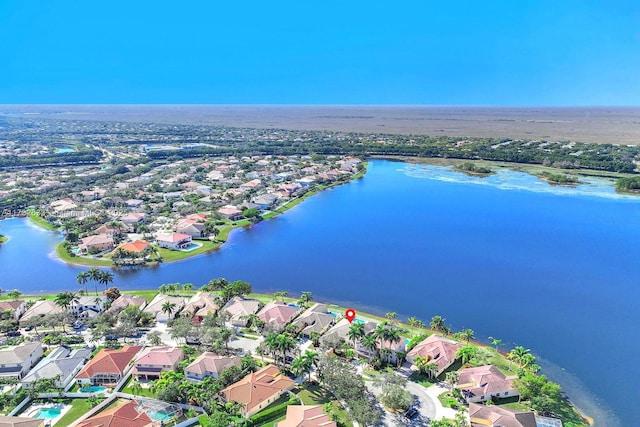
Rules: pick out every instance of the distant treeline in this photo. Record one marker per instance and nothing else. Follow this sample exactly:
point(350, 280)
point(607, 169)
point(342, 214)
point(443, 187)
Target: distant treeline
point(605, 157)
point(53, 159)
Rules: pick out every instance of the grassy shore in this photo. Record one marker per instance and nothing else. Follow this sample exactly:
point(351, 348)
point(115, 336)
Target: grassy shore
point(41, 222)
point(207, 245)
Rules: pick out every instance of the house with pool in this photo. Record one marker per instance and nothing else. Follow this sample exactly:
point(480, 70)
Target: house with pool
point(108, 366)
point(435, 348)
point(173, 241)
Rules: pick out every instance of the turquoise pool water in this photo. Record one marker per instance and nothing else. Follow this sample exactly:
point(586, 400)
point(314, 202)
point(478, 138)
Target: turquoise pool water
point(48, 413)
point(93, 389)
point(160, 415)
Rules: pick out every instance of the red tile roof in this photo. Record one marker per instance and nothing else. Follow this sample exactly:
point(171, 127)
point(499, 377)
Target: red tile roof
point(109, 361)
point(125, 415)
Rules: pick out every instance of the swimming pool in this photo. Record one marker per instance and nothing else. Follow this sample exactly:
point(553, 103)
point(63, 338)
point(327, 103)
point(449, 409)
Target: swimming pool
point(48, 413)
point(191, 246)
point(160, 415)
point(93, 389)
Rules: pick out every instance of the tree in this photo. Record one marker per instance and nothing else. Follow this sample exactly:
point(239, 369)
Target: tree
point(168, 307)
point(356, 332)
point(415, 322)
point(391, 315)
point(154, 338)
point(14, 295)
point(301, 365)
point(468, 334)
point(466, 353)
point(370, 343)
point(394, 395)
point(495, 342)
point(305, 299)
point(451, 378)
point(438, 324)
point(82, 278)
point(518, 353)
point(280, 295)
point(112, 293)
point(64, 300)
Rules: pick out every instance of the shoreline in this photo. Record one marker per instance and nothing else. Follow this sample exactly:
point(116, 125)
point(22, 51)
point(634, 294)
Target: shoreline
point(409, 331)
point(219, 241)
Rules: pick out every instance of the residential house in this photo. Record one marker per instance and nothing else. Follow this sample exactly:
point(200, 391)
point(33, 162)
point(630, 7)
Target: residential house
point(137, 247)
point(108, 366)
point(62, 363)
point(240, 309)
point(173, 241)
point(339, 331)
point(15, 308)
point(199, 305)
point(496, 416)
point(230, 212)
point(306, 181)
point(132, 220)
point(152, 361)
point(134, 205)
point(277, 313)
point(63, 205)
point(436, 349)
point(40, 309)
point(127, 414)
point(125, 300)
point(265, 201)
point(389, 351)
point(96, 243)
point(258, 390)
point(314, 319)
point(7, 421)
point(87, 307)
point(193, 228)
point(109, 230)
point(254, 183)
point(155, 307)
point(306, 416)
point(209, 364)
point(197, 217)
point(17, 360)
point(484, 383)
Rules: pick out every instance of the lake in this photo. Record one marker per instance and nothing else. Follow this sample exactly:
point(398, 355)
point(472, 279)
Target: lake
point(554, 269)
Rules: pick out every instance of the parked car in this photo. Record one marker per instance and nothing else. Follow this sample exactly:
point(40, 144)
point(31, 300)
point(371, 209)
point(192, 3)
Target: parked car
point(111, 337)
point(28, 328)
point(13, 334)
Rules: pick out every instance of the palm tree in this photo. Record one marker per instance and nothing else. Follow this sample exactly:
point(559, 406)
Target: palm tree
point(168, 307)
point(305, 299)
point(495, 342)
point(187, 287)
point(391, 315)
point(356, 332)
point(517, 354)
point(285, 344)
point(370, 343)
point(82, 278)
point(466, 353)
point(468, 334)
point(438, 324)
point(280, 296)
point(452, 378)
point(415, 322)
point(94, 275)
point(301, 365)
point(105, 278)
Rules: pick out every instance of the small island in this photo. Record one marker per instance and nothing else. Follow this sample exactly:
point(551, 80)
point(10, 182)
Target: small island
point(473, 169)
point(558, 179)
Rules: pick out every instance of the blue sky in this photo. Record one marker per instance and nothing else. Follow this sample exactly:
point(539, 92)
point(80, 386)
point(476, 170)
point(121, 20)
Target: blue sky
point(525, 53)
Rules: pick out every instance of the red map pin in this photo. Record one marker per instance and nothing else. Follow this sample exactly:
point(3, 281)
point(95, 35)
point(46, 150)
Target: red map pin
point(350, 314)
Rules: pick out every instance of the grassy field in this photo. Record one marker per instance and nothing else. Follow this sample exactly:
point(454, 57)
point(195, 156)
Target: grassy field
point(79, 407)
point(90, 262)
point(38, 220)
point(313, 394)
point(168, 255)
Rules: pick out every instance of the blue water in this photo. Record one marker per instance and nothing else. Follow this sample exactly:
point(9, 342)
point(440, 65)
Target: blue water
point(160, 415)
point(64, 150)
point(93, 389)
point(48, 413)
point(551, 268)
